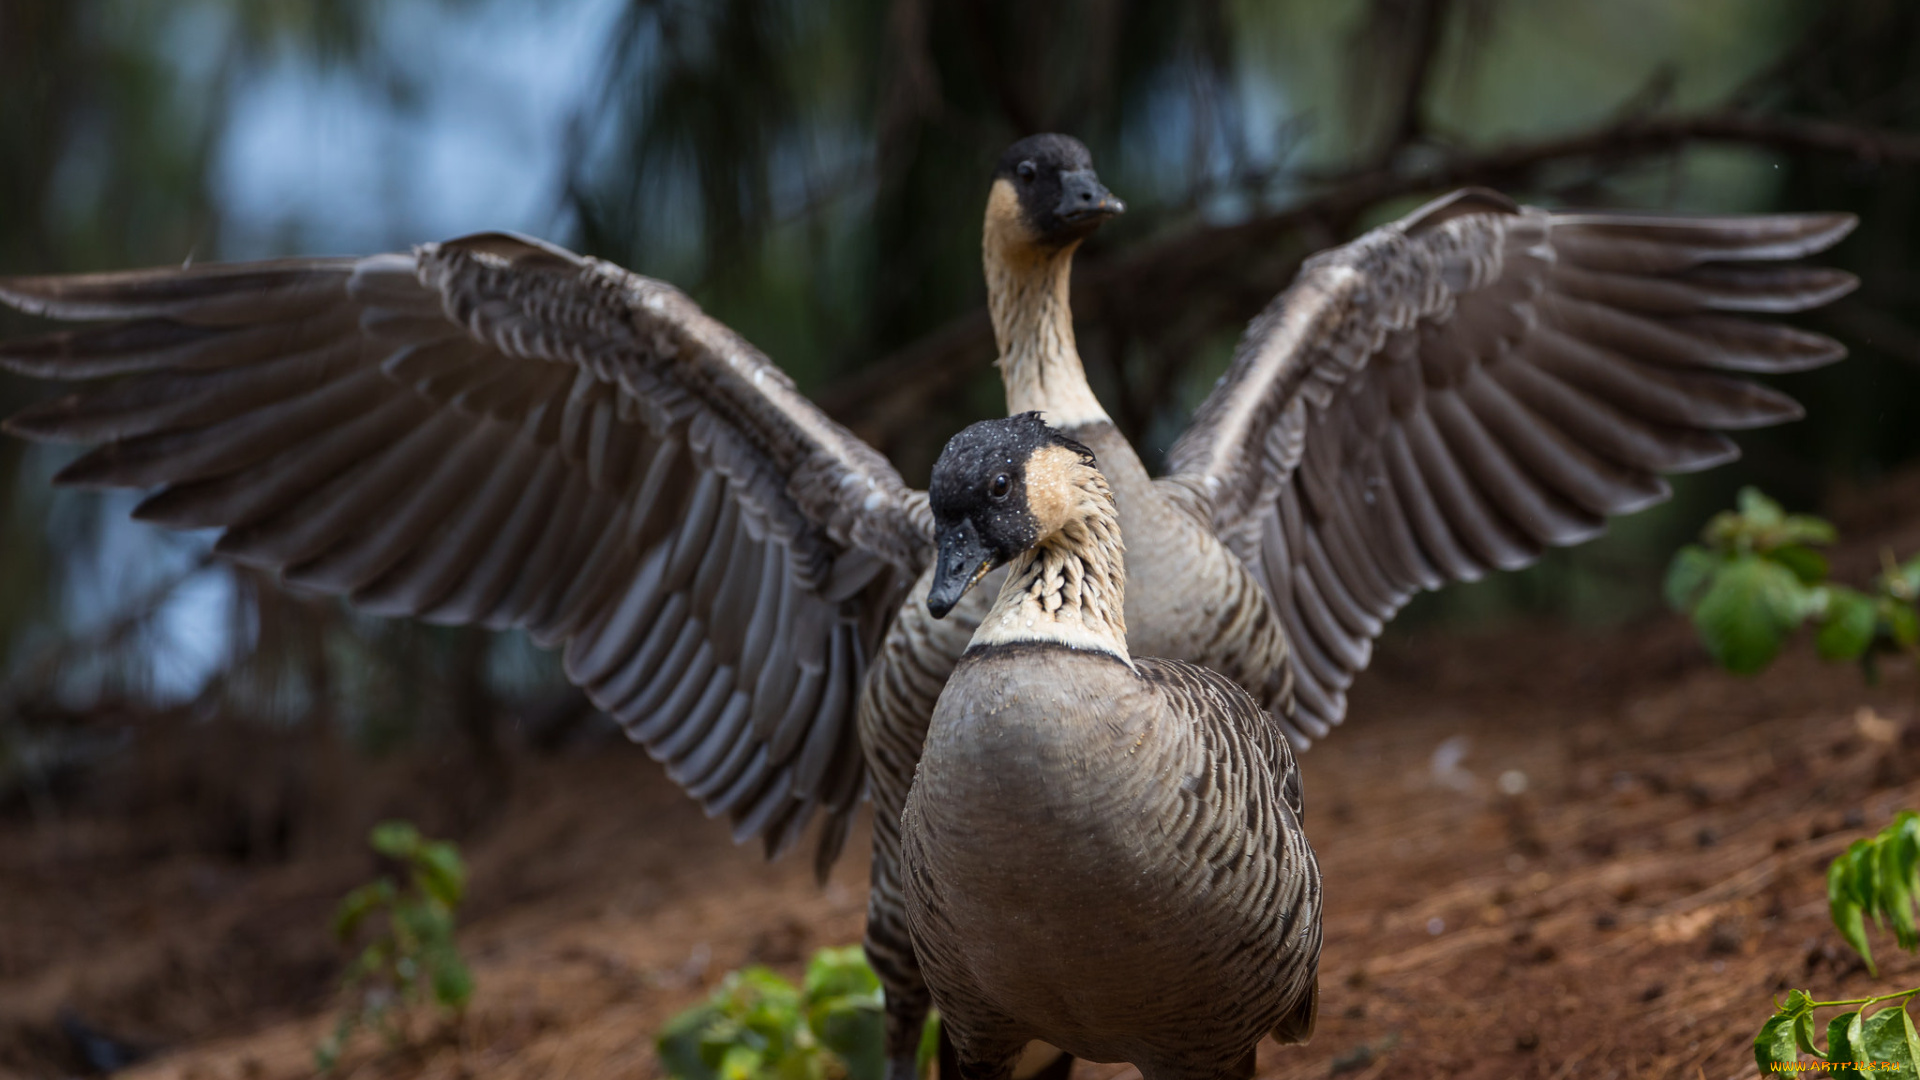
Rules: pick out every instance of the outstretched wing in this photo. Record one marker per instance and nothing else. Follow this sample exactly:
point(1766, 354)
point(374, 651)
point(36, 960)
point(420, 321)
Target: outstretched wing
point(1459, 390)
point(497, 432)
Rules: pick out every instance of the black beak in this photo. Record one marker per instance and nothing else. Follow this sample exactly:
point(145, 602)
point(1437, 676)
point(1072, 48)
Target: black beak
point(1084, 200)
point(963, 561)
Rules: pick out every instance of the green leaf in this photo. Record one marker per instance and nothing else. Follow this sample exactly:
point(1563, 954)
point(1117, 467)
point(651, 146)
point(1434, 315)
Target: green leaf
point(1906, 825)
point(764, 988)
point(1847, 629)
point(440, 873)
point(1758, 510)
point(452, 982)
point(845, 1010)
point(1902, 622)
point(1851, 923)
point(1774, 1045)
point(1806, 564)
point(1843, 1032)
point(357, 905)
point(424, 923)
point(679, 1043)
point(1878, 877)
point(1895, 880)
point(1807, 529)
point(838, 972)
point(1726, 533)
point(740, 1063)
point(1803, 1034)
point(395, 839)
point(923, 1058)
point(1865, 875)
point(834, 1026)
point(1888, 1035)
point(1687, 575)
point(372, 959)
point(1845, 906)
point(1910, 576)
point(855, 1028)
point(1748, 611)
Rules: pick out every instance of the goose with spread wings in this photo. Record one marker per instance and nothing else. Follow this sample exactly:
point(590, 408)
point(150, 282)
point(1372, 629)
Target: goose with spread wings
point(1447, 395)
point(493, 431)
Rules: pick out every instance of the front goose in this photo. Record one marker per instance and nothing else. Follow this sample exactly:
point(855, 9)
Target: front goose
point(494, 431)
point(1101, 851)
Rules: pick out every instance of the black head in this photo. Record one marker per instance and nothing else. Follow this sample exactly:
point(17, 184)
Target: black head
point(1058, 196)
point(991, 500)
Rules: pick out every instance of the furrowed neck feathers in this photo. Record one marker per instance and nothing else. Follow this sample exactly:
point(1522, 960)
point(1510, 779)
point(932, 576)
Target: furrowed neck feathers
point(1070, 589)
point(1033, 321)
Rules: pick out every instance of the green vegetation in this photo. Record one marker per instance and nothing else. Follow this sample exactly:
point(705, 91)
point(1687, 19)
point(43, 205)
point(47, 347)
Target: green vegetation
point(1756, 577)
point(758, 1024)
point(1752, 581)
point(412, 957)
point(1874, 877)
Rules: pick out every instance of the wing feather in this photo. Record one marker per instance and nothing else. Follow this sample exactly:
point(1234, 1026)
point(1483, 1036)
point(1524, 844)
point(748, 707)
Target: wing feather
point(494, 431)
point(1459, 390)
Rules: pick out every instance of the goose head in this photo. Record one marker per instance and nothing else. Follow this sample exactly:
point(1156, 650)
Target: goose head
point(1046, 196)
point(1000, 489)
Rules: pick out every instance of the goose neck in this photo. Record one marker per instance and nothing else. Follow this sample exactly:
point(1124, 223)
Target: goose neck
point(1070, 589)
point(1027, 296)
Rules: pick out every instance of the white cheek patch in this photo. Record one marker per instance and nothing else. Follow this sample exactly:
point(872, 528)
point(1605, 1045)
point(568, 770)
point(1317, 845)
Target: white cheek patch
point(1051, 491)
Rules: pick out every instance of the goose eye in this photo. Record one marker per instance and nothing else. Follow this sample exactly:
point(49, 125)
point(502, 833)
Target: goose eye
point(1000, 486)
point(1026, 170)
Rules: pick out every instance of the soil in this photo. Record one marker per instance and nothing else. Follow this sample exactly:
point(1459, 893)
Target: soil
point(1547, 853)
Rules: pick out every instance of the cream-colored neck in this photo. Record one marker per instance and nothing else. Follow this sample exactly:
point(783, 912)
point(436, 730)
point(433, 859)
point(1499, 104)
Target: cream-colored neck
point(1070, 589)
point(1033, 324)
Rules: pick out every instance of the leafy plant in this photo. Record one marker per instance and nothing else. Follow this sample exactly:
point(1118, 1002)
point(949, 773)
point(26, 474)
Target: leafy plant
point(1881, 1041)
point(412, 957)
point(1756, 577)
point(757, 1024)
point(1874, 877)
point(1877, 877)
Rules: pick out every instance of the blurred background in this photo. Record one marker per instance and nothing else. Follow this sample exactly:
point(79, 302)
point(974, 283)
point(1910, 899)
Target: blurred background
point(814, 174)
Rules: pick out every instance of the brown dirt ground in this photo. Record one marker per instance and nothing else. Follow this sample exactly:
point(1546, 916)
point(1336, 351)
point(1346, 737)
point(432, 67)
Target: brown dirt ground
point(1630, 914)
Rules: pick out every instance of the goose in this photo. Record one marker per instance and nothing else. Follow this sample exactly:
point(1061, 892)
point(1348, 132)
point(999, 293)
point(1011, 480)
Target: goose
point(1101, 851)
point(1447, 395)
point(494, 431)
